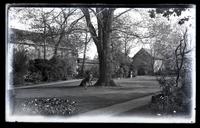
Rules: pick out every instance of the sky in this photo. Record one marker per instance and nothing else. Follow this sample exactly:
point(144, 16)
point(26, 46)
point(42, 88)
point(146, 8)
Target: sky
point(92, 51)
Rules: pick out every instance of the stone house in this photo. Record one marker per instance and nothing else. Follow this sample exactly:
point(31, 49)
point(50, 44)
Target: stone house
point(145, 63)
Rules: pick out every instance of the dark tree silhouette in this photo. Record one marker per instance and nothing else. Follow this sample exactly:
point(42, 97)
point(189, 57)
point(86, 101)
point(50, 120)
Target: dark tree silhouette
point(102, 41)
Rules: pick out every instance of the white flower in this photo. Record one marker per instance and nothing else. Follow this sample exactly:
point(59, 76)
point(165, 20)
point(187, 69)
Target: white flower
point(158, 114)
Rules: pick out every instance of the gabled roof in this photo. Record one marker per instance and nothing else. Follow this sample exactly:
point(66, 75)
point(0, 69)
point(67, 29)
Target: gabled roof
point(142, 51)
point(147, 52)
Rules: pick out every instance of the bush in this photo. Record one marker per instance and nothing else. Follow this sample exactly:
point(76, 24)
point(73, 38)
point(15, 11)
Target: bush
point(60, 69)
point(176, 103)
point(18, 79)
point(172, 99)
point(38, 70)
point(34, 77)
point(50, 70)
point(19, 65)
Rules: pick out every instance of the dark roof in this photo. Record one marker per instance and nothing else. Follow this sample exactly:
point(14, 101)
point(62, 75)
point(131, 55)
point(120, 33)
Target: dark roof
point(147, 52)
point(142, 51)
point(17, 34)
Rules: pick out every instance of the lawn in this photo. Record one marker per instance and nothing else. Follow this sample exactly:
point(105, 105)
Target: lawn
point(93, 97)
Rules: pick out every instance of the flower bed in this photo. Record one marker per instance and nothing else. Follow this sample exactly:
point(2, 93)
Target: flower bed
point(47, 106)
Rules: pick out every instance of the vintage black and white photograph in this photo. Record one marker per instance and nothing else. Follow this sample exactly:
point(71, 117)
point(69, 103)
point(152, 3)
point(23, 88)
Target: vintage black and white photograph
point(101, 63)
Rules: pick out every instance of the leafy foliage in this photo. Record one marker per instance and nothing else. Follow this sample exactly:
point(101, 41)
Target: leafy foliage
point(50, 70)
point(172, 100)
point(19, 66)
point(167, 12)
point(34, 77)
point(38, 70)
point(121, 64)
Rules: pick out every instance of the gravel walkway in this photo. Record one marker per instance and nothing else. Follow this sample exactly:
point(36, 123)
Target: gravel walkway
point(119, 108)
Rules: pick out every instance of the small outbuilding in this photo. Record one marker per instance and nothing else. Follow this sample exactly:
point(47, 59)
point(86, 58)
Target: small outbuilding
point(145, 63)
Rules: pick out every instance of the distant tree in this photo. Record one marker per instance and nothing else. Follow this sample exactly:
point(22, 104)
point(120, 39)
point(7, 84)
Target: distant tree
point(167, 35)
point(127, 34)
point(53, 23)
point(60, 25)
point(122, 34)
point(87, 40)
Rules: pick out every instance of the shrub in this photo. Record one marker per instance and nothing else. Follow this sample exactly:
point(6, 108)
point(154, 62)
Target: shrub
point(38, 69)
point(18, 79)
point(50, 70)
point(172, 99)
point(59, 69)
point(34, 77)
point(19, 66)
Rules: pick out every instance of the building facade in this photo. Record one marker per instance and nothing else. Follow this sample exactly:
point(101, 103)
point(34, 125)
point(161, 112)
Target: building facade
point(145, 63)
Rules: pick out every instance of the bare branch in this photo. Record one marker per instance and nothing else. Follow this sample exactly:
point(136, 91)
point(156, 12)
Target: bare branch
point(99, 11)
point(98, 15)
point(49, 12)
point(90, 26)
point(121, 13)
point(75, 22)
point(181, 54)
point(95, 13)
point(54, 17)
point(51, 33)
point(134, 34)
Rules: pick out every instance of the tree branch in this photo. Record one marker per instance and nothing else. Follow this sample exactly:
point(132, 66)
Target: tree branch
point(90, 26)
point(121, 14)
point(134, 34)
point(75, 22)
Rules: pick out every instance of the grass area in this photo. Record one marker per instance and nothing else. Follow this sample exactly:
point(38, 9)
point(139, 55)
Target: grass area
point(94, 97)
point(88, 103)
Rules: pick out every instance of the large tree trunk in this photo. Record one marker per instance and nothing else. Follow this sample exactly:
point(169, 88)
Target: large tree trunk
point(105, 78)
point(105, 66)
point(103, 43)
